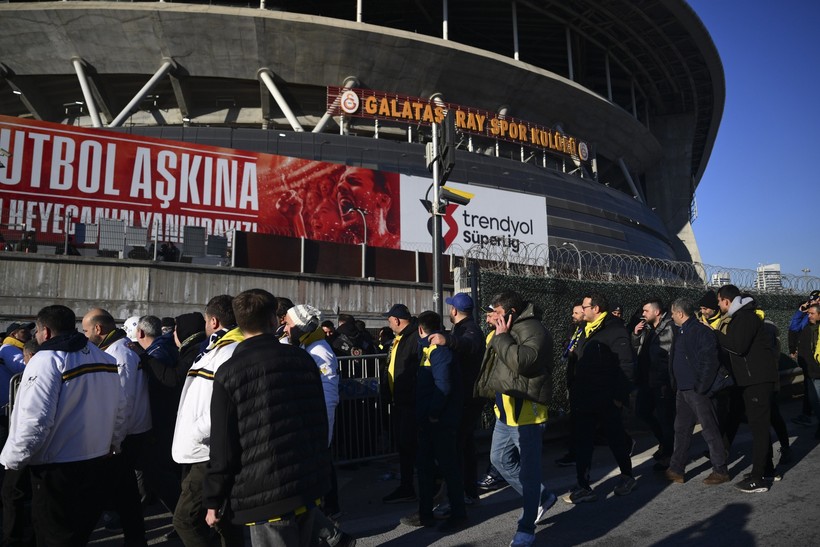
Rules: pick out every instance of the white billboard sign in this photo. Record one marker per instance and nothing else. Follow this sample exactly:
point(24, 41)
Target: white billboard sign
point(499, 222)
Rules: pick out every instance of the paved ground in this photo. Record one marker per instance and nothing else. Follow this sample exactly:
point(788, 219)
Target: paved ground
point(657, 513)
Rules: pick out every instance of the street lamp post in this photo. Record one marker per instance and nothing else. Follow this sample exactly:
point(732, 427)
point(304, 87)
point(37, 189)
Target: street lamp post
point(567, 243)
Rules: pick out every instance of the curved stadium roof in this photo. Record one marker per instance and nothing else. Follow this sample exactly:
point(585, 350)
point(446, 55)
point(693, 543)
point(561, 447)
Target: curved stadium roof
point(606, 70)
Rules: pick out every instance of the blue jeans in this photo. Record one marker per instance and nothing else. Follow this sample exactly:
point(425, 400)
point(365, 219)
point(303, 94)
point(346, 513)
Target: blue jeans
point(516, 453)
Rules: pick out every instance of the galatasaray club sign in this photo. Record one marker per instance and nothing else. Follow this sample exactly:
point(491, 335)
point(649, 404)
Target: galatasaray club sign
point(52, 175)
point(365, 103)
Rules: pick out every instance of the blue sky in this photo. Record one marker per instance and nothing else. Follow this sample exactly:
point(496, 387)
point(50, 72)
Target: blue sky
point(759, 198)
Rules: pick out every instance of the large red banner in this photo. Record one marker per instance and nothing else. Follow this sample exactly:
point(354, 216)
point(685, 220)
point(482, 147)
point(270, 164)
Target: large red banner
point(52, 174)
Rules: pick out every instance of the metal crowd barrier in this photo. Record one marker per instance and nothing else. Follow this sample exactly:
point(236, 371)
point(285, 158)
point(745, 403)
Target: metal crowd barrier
point(362, 428)
point(14, 386)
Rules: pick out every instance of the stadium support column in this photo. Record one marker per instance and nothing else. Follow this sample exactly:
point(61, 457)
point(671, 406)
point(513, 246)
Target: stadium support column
point(349, 83)
point(515, 30)
point(89, 99)
point(265, 75)
point(445, 19)
point(162, 71)
point(629, 180)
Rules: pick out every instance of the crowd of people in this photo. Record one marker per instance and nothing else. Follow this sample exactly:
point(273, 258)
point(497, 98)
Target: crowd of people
point(226, 416)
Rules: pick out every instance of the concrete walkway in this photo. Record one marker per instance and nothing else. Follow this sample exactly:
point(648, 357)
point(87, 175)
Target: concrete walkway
point(657, 513)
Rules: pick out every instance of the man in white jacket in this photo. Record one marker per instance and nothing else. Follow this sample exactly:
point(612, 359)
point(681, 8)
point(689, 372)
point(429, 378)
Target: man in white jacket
point(101, 330)
point(68, 417)
point(192, 434)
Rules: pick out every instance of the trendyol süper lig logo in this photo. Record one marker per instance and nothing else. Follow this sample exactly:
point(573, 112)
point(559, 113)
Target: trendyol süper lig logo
point(449, 225)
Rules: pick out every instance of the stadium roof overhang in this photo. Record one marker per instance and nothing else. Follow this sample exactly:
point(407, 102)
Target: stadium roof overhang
point(661, 43)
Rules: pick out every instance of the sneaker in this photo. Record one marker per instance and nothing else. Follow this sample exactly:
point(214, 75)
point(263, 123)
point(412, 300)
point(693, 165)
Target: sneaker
point(341, 539)
point(625, 486)
point(674, 476)
point(417, 521)
point(802, 420)
point(774, 477)
point(545, 506)
point(522, 539)
point(490, 482)
point(346, 540)
point(566, 460)
point(579, 494)
point(716, 478)
point(785, 455)
point(442, 511)
point(399, 495)
point(453, 525)
point(752, 486)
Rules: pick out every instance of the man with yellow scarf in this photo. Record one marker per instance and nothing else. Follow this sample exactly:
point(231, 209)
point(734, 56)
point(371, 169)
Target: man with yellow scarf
point(517, 372)
point(11, 363)
point(604, 371)
point(753, 360)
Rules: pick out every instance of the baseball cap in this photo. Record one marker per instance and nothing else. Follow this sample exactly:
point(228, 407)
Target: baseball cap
point(17, 326)
point(814, 295)
point(399, 311)
point(460, 301)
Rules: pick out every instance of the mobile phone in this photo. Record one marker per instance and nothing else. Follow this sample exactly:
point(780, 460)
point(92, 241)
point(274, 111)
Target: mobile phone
point(511, 315)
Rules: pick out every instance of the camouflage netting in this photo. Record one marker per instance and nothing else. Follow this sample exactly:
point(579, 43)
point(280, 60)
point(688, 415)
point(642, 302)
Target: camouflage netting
point(555, 298)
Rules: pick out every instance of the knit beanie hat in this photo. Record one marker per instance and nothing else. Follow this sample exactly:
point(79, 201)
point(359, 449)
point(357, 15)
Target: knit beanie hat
point(189, 324)
point(304, 314)
point(130, 327)
point(709, 300)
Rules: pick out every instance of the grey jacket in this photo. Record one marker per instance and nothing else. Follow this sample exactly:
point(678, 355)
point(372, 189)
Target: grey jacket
point(653, 357)
point(518, 363)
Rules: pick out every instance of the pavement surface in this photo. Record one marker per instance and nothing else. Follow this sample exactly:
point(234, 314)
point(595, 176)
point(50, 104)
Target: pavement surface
point(656, 513)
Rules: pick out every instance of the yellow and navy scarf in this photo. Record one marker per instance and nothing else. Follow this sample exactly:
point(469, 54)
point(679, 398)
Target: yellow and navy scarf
point(13, 341)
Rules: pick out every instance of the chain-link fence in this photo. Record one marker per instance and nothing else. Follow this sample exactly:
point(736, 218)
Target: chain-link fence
point(555, 296)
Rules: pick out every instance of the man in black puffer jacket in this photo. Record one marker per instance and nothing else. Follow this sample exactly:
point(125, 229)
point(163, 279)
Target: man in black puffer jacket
point(270, 462)
point(754, 366)
point(603, 380)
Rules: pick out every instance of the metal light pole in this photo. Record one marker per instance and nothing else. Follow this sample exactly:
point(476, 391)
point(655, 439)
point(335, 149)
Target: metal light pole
point(564, 244)
point(438, 306)
point(364, 231)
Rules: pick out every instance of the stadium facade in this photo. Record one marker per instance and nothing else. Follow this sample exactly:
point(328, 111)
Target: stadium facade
point(607, 110)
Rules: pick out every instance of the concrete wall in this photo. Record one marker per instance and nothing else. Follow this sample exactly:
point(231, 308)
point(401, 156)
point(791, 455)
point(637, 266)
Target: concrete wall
point(131, 287)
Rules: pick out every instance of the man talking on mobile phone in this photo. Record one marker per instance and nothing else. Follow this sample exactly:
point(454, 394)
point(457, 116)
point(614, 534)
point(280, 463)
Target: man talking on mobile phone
point(517, 373)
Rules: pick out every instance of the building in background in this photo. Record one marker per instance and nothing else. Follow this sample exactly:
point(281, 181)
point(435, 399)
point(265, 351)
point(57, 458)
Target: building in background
point(721, 278)
point(606, 110)
point(768, 278)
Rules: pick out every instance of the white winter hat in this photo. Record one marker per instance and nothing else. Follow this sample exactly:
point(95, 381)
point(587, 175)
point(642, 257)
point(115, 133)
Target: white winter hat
point(304, 315)
point(130, 327)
